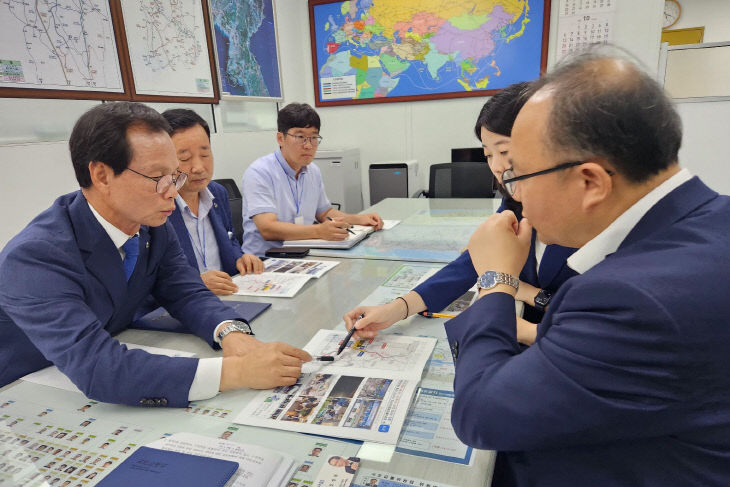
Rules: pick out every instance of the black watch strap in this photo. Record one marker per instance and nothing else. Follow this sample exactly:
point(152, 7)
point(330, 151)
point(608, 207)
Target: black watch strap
point(542, 299)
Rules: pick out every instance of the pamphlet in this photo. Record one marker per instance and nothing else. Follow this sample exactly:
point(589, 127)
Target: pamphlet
point(363, 394)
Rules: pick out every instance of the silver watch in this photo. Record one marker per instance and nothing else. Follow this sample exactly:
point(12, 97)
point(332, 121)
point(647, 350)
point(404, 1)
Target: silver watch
point(491, 278)
point(233, 326)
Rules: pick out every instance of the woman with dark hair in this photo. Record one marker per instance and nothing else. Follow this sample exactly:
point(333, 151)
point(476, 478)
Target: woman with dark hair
point(544, 271)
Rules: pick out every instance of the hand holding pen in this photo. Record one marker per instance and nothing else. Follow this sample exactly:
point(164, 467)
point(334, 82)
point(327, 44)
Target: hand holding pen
point(348, 229)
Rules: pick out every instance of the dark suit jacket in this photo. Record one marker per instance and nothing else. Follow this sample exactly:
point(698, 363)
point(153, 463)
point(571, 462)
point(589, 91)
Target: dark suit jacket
point(627, 383)
point(459, 275)
point(229, 247)
point(63, 295)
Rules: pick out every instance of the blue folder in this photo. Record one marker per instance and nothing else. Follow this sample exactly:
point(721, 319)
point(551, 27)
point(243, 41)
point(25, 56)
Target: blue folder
point(159, 319)
point(150, 466)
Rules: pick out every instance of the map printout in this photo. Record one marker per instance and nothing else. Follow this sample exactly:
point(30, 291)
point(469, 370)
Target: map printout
point(62, 45)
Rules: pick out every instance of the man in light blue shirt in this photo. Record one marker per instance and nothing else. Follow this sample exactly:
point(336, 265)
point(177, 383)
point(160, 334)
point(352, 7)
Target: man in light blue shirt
point(283, 193)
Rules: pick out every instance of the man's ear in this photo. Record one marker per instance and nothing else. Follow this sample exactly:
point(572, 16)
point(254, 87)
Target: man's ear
point(279, 138)
point(597, 184)
point(101, 175)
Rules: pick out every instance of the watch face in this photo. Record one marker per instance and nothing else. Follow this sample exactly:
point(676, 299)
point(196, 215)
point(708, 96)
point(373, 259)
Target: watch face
point(488, 280)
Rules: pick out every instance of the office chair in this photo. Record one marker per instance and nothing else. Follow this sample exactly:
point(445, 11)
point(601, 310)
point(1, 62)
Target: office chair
point(461, 180)
point(235, 202)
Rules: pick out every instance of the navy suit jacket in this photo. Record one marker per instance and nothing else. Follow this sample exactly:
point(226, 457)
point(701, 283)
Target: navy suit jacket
point(68, 296)
point(459, 276)
point(229, 247)
point(627, 383)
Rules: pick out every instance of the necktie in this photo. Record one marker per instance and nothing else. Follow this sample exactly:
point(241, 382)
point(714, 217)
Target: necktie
point(131, 252)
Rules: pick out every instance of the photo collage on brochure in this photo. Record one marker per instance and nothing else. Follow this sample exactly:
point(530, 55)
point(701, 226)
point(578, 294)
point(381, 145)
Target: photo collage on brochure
point(332, 400)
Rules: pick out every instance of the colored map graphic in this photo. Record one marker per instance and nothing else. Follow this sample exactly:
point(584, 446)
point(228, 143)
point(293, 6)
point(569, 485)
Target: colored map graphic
point(389, 354)
point(168, 47)
point(245, 37)
point(61, 44)
point(369, 49)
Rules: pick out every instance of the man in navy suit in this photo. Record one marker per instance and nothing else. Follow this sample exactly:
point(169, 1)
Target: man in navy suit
point(203, 221)
point(76, 274)
point(627, 382)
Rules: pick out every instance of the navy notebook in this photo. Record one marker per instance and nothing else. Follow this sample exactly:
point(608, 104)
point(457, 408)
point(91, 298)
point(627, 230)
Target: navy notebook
point(150, 466)
point(159, 319)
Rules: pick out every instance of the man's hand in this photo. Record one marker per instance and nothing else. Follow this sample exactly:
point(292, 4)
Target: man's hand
point(249, 263)
point(237, 343)
point(500, 244)
point(334, 229)
point(526, 331)
point(375, 318)
point(526, 293)
point(370, 220)
point(263, 367)
point(218, 282)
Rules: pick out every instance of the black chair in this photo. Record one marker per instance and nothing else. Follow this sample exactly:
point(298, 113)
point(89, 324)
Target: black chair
point(461, 180)
point(236, 204)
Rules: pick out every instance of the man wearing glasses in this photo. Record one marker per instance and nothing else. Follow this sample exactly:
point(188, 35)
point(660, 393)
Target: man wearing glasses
point(627, 382)
point(283, 194)
point(76, 274)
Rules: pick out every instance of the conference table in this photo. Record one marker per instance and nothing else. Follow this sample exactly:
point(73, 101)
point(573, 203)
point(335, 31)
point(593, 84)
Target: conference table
point(320, 304)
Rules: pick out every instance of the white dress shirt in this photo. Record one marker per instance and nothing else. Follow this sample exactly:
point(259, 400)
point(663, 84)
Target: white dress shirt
point(208, 374)
point(608, 241)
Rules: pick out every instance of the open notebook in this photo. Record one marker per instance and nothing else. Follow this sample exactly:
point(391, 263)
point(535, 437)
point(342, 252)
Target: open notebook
point(360, 233)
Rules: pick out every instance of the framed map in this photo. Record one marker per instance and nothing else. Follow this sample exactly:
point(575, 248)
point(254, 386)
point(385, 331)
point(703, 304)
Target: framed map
point(59, 49)
point(247, 48)
point(375, 51)
point(169, 49)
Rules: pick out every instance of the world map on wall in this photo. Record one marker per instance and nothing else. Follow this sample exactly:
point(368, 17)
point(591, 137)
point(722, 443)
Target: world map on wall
point(368, 49)
point(245, 37)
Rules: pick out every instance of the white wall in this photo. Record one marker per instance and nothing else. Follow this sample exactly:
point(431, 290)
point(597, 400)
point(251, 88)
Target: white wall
point(714, 15)
point(704, 147)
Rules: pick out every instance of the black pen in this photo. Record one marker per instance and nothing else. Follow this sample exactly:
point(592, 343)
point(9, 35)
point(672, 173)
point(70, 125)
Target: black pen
point(325, 358)
point(330, 219)
point(347, 338)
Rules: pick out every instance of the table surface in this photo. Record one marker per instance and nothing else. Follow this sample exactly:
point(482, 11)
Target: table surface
point(321, 303)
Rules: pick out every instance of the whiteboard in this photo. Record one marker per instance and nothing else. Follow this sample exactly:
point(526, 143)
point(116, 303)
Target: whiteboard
point(698, 71)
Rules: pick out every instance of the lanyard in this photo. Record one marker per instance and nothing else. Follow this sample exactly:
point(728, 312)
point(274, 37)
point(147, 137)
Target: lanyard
point(199, 246)
point(297, 201)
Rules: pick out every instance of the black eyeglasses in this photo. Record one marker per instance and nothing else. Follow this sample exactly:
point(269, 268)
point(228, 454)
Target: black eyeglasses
point(164, 182)
point(509, 179)
point(315, 141)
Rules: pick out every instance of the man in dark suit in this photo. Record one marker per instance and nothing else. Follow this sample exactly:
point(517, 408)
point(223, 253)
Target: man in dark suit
point(627, 383)
point(76, 274)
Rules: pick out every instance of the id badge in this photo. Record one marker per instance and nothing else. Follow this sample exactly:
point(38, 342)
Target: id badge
point(299, 220)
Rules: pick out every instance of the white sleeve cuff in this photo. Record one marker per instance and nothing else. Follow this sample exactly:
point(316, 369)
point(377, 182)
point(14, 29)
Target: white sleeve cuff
point(207, 380)
point(215, 334)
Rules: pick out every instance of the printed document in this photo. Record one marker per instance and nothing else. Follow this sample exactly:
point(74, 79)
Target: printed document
point(364, 394)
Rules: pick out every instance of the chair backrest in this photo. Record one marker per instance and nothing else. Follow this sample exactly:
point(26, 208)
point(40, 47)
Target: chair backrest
point(235, 202)
point(461, 180)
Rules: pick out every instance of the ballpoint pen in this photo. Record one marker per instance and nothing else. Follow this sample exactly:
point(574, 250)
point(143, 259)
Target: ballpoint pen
point(349, 335)
point(349, 230)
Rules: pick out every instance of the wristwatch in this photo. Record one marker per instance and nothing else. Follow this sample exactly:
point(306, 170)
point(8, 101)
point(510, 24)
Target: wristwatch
point(542, 300)
point(234, 326)
point(491, 278)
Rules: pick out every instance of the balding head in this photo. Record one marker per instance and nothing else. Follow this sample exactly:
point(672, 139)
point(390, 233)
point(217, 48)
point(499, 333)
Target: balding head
point(605, 106)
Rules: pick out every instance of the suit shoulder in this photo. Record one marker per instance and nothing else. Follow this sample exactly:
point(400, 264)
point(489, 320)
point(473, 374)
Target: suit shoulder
point(218, 190)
